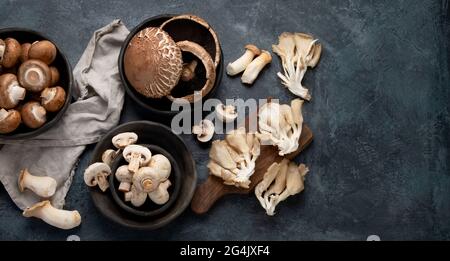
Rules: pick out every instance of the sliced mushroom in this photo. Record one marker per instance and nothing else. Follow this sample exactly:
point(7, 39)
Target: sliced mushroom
point(11, 93)
point(255, 67)
point(9, 121)
point(24, 53)
point(125, 176)
point(44, 51)
point(59, 218)
point(137, 156)
point(226, 113)
point(33, 115)
point(204, 130)
point(43, 186)
point(96, 174)
point(55, 75)
point(34, 75)
point(188, 72)
point(208, 63)
point(160, 196)
point(121, 140)
point(53, 98)
point(242, 62)
point(11, 53)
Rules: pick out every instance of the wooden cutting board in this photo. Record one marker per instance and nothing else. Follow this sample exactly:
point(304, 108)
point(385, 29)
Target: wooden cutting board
point(213, 188)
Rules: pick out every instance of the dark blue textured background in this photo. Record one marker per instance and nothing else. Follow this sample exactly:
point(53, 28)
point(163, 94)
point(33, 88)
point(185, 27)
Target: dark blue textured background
point(380, 115)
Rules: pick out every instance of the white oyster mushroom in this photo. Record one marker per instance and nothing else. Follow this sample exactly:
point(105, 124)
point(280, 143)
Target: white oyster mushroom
point(137, 156)
point(42, 186)
point(59, 218)
point(97, 174)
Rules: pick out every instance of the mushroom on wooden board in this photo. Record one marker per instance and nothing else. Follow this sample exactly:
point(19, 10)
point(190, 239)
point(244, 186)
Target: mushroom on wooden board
point(42, 186)
point(11, 93)
point(34, 75)
point(9, 121)
point(33, 114)
point(59, 218)
point(96, 174)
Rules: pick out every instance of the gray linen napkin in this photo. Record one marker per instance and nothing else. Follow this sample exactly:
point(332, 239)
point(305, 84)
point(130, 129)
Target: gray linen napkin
point(99, 97)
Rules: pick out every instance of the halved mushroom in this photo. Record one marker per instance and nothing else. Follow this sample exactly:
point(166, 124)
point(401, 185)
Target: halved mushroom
point(24, 54)
point(242, 62)
point(9, 121)
point(11, 93)
point(121, 140)
point(96, 174)
point(254, 68)
point(204, 130)
point(208, 63)
point(53, 98)
point(59, 218)
point(137, 156)
point(55, 75)
point(226, 113)
point(44, 51)
point(33, 115)
point(11, 53)
point(34, 75)
point(43, 186)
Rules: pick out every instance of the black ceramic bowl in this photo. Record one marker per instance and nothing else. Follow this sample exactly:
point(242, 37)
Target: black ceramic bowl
point(161, 108)
point(159, 135)
point(149, 208)
point(65, 81)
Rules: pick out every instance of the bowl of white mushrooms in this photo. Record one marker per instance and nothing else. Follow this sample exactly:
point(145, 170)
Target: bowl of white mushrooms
point(35, 83)
point(141, 175)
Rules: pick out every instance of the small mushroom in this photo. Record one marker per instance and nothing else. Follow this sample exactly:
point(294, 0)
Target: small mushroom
point(55, 75)
point(161, 163)
point(254, 68)
point(53, 98)
point(226, 113)
point(108, 156)
point(11, 93)
point(44, 51)
point(188, 72)
point(125, 177)
point(43, 186)
point(11, 53)
point(96, 174)
point(204, 130)
point(147, 179)
point(59, 218)
point(9, 121)
point(24, 53)
point(137, 156)
point(240, 64)
point(160, 196)
point(33, 114)
point(34, 75)
point(136, 197)
point(121, 140)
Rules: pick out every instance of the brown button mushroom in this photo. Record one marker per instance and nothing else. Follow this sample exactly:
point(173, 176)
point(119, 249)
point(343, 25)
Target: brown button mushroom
point(34, 75)
point(55, 75)
point(11, 93)
point(2, 51)
point(53, 98)
point(12, 53)
point(43, 50)
point(24, 54)
point(9, 121)
point(153, 63)
point(33, 115)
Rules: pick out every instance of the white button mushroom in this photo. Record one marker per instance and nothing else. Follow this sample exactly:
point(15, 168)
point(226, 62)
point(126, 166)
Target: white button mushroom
point(160, 196)
point(43, 186)
point(96, 174)
point(147, 179)
point(161, 163)
point(125, 177)
point(59, 218)
point(242, 62)
point(137, 156)
point(204, 130)
point(254, 68)
point(226, 113)
point(108, 156)
point(136, 197)
point(121, 140)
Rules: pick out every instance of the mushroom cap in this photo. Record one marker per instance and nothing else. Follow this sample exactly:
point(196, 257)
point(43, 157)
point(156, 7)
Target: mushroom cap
point(44, 51)
point(153, 63)
point(34, 75)
point(10, 91)
point(33, 114)
point(24, 52)
point(124, 139)
point(253, 49)
point(161, 163)
point(9, 121)
point(55, 75)
point(147, 179)
point(123, 174)
point(204, 130)
point(53, 98)
point(12, 53)
point(145, 153)
point(93, 170)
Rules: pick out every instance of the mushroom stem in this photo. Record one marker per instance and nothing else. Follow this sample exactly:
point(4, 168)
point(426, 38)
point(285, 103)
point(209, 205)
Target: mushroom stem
point(16, 92)
point(59, 218)
point(3, 114)
point(102, 182)
point(242, 62)
point(188, 72)
point(254, 68)
point(43, 186)
point(134, 162)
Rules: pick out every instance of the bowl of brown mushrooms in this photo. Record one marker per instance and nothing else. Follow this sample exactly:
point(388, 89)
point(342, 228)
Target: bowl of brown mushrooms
point(35, 83)
point(168, 57)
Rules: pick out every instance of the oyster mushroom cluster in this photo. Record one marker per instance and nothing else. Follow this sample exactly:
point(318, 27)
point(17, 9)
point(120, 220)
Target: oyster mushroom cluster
point(280, 181)
point(154, 63)
point(233, 159)
point(45, 188)
point(28, 84)
point(146, 175)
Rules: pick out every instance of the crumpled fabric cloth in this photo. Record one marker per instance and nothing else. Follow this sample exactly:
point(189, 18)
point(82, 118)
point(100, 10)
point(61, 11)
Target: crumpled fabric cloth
point(99, 98)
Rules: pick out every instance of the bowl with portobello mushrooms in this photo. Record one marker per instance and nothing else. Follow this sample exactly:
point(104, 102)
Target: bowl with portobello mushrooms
point(35, 83)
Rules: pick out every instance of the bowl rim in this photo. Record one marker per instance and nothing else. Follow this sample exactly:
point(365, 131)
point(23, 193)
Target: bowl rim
point(133, 96)
point(182, 207)
point(61, 112)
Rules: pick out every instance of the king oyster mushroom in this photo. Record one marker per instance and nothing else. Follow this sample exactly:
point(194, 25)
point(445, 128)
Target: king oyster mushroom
point(42, 186)
point(11, 93)
point(96, 174)
point(59, 218)
point(254, 68)
point(33, 115)
point(204, 130)
point(11, 52)
point(44, 51)
point(34, 75)
point(53, 98)
point(226, 113)
point(9, 121)
point(242, 62)
point(153, 63)
point(137, 156)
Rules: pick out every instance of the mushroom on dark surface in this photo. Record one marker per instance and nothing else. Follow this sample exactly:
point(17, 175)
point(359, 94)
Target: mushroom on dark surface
point(34, 75)
point(33, 115)
point(24, 52)
point(43, 50)
point(55, 75)
point(53, 98)
point(12, 53)
point(9, 121)
point(11, 93)
point(153, 63)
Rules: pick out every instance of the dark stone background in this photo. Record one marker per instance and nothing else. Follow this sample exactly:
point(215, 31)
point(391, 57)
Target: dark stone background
point(379, 113)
